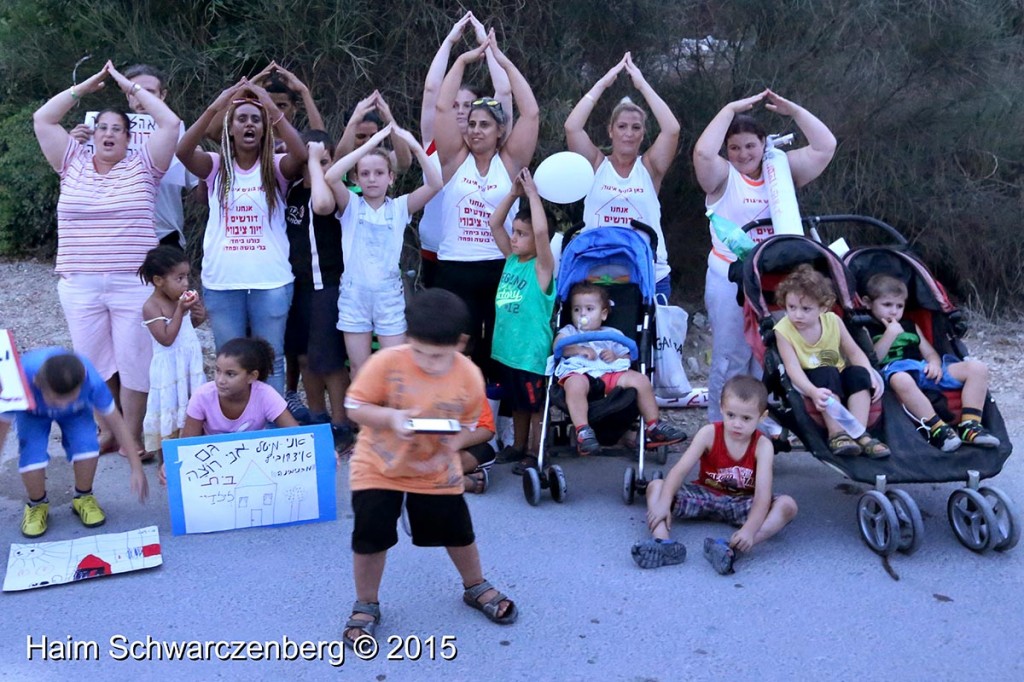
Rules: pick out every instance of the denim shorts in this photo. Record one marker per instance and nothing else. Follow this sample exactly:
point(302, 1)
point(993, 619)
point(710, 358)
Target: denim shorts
point(379, 309)
point(947, 382)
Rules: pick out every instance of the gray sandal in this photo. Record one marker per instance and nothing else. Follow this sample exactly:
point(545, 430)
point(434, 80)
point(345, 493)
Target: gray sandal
point(654, 554)
point(490, 608)
point(368, 627)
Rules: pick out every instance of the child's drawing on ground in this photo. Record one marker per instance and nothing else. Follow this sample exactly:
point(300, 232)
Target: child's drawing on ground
point(42, 564)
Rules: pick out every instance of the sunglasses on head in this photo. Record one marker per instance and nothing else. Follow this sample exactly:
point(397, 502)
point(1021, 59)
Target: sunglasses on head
point(490, 103)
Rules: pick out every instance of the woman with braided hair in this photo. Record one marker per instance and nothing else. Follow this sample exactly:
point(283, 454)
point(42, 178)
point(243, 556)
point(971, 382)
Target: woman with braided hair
point(247, 280)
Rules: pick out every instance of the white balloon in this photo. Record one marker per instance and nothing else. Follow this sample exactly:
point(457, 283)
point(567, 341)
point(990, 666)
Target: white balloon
point(564, 177)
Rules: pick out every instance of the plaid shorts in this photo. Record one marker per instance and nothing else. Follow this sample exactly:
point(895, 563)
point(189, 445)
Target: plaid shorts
point(695, 501)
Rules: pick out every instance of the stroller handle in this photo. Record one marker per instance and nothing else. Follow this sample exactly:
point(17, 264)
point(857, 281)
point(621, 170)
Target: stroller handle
point(812, 222)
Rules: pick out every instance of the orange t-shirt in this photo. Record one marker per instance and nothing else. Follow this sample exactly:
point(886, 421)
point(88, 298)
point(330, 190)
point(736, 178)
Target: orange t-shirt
point(425, 463)
point(486, 418)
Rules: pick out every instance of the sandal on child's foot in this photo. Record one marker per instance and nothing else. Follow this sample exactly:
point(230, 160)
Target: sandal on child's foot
point(873, 448)
point(656, 553)
point(476, 482)
point(364, 626)
point(492, 607)
point(842, 445)
point(520, 467)
point(720, 555)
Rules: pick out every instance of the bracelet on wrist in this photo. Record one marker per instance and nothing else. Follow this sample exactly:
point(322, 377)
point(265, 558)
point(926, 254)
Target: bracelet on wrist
point(278, 119)
point(74, 95)
point(590, 97)
point(134, 89)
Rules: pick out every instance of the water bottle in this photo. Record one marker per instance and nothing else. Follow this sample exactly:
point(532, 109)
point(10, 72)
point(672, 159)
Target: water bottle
point(781, 192)
point(731, 234)
point(837, 411)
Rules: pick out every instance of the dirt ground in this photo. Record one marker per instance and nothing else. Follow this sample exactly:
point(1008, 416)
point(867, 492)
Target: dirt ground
point(29, 307)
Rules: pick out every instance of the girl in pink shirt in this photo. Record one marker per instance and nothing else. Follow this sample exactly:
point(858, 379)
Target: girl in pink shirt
point(237, 399)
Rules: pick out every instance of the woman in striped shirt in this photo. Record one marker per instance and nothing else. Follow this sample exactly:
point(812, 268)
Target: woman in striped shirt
point(105, 226)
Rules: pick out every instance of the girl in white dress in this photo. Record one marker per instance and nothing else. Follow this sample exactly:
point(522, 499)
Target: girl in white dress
point(177, 367)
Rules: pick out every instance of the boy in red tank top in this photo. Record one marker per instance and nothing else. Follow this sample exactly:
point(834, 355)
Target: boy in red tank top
point(734, 485)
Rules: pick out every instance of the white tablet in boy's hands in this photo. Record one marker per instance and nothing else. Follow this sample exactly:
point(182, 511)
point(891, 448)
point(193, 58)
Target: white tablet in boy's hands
point(433, 425)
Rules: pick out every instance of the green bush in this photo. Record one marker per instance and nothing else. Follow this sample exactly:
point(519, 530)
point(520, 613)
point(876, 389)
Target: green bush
point(28, 189)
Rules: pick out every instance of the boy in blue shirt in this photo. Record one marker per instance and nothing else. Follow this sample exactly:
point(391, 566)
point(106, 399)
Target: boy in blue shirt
point(66, 388)
point(523, 307)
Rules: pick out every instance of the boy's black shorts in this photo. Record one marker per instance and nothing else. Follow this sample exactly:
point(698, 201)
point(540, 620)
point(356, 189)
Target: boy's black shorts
point(522, 391)
point(312, 328)
point(435, 520)
point(852, 379)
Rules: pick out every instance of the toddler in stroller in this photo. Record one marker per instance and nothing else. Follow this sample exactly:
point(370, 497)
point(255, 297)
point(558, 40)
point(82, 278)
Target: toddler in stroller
point(912, 366)
point(591, 369)
point(822, 359)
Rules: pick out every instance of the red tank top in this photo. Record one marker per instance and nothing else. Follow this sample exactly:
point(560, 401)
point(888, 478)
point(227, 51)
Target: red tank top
point(724, 475)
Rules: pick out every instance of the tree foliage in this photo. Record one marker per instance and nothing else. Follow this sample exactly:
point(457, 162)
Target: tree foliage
point(923, 96)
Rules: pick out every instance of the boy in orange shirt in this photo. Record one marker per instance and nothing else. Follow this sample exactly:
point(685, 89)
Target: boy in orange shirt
point(426, 378)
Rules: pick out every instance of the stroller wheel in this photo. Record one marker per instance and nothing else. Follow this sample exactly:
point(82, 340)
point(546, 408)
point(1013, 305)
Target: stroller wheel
point(660, 455)
point(556, 481)
point(973, 519)
point(658, 475)
point(911, 525)
point(531, 486)
point(629, 485)
point(1007, 517)
point(879, 525)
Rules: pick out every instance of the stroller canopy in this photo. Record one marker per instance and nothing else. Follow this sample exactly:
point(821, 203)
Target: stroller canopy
point(779, 255)
point(607, 255)
point(924, 290)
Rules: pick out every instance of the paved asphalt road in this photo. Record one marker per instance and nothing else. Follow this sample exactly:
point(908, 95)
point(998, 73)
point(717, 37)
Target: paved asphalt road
point(812, 604)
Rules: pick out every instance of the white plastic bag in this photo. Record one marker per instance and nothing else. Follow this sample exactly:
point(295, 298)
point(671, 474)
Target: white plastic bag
point(669, 373)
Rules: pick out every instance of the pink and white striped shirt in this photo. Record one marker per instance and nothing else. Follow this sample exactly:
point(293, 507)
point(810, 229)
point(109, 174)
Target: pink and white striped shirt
point(105, 222)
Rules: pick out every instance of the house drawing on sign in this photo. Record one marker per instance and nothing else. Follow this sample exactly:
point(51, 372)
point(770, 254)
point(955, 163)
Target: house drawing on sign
point(254, 499)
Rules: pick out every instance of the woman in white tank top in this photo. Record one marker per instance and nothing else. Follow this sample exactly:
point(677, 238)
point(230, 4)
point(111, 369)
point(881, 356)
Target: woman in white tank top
point(736, 190)
point(430, 227)
point(626, 183)
point(477, 170)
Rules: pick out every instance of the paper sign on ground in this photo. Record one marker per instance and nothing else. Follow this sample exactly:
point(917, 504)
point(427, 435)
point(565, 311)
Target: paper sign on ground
point(42, 564)
point(14, 391)
point(258, 478)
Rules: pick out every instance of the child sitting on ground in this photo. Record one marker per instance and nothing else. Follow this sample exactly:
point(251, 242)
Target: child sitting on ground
point(67, 389)
point(426, 378)
point(237, 399)
point(522, 314)
point(822, 359)
point(734, 485)
point(475, 452)
point(589, 371)
point(912, 366)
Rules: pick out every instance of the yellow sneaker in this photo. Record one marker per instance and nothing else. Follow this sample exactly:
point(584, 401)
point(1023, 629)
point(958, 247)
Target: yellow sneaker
point(33, 523)
point(88, 510)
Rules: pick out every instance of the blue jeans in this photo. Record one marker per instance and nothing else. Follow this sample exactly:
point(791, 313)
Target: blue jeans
point(263, 312)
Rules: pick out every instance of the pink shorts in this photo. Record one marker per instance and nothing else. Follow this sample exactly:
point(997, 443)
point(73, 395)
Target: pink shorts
point(104, 315)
